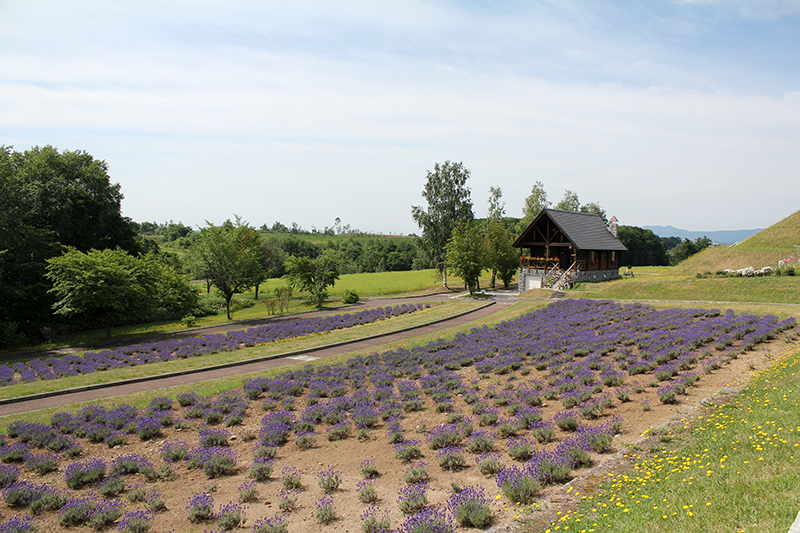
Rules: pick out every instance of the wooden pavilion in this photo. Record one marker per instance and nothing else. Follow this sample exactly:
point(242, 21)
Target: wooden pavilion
point(564, 247)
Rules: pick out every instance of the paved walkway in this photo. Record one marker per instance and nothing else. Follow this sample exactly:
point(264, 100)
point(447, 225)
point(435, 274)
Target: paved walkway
point(63, 398)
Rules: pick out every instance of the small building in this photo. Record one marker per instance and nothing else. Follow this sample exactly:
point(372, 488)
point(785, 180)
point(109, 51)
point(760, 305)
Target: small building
point(561, 247)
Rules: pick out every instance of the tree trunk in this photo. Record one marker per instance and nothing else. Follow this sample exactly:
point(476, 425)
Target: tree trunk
point(228, 306)
point(494, 274)
point(108, 329)
point(257, 285)
point(444, 276)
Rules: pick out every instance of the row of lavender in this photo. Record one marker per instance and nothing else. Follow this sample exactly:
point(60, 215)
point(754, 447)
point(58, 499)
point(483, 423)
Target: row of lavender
point(577, 348)
point(155, 352)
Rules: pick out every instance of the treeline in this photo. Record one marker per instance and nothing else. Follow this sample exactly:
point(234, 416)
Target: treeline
point(356, 252)
point(55, 204)
point(645, 248)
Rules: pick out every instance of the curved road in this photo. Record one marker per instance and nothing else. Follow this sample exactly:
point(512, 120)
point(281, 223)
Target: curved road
point(63, 398)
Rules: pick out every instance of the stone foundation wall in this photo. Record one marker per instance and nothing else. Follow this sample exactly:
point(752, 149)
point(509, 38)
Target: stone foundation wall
point(584, 275)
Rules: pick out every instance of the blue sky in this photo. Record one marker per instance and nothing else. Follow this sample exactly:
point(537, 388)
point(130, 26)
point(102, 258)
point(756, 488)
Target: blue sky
point(683, 113)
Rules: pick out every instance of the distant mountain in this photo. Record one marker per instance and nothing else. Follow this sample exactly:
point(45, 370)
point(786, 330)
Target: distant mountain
point(721, 237)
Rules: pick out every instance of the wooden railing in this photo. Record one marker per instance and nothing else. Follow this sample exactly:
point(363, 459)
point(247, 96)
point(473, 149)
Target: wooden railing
point(538, 263)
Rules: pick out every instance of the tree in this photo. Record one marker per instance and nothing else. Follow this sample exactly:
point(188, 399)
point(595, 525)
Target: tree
point(687, 248)
point(466, 253)
point(271, 258)
point(449, 202)
point(569, 202)
point(50, 199)
point(500, 255)
point(107, 283)
point(534, 203)
point(645, 248)
point(313, 275)
point(229, 256)
point(595, 209)
point(497, 207)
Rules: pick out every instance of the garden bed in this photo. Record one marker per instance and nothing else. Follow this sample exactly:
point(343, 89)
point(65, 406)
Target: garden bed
point(547, 391)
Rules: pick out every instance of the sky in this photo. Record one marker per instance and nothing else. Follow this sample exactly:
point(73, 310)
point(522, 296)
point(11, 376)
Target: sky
point(665, 112)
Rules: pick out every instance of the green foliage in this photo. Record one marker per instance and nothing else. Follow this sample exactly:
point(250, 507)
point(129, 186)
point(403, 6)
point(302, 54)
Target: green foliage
point(114, 286)
point(313, 275)
point(688, 248)
point(645, 248)
point(49, 200)
point(466, 253)
point(448, 203)
point(230, 257)
point(534, 203)
point(350, 297)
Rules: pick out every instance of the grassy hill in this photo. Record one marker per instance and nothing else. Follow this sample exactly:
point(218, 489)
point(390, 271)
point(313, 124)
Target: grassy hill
point(785, 235)
point(765, 248)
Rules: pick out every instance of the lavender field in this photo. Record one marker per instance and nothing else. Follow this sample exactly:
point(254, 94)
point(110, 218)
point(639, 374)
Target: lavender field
point(458, 433)
point(157, 352)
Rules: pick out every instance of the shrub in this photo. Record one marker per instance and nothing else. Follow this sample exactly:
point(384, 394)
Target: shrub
point(50, 500)
point(18, 524)
point(215, 461)
point(407, 451)
point(517, 485)
point(350, 297)
point(368, 468)
point(366, 492)
point(76, 512)
point(42, 463)
point(210, 437)
point(148, 427)
point(174, 451)
point(78, 475)
point(155, 501)
point(450, 458)
point(372, 522)
point(288, 501)
point(413, 498)
point(105, 514)
point(200, 507)
point(417, 473)
point(329, 480)
point(325, 512)
point(489, 464)
point(291, 478)
point(8, 475)
point(248, 492)
point(136, 522)
point(22, 493)
point(430, 520)
point(470, 507)
point(231, 515)
point(276, 524)
point(261, 469)
point(112, 487)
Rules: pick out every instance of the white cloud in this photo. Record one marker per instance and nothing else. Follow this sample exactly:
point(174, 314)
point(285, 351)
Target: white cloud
point(311, 111)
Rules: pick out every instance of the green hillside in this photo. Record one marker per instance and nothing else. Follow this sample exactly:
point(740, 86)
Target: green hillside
point(785, 235)
point(765, 248)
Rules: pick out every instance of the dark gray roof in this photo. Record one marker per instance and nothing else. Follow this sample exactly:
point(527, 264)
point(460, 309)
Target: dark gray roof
point(587, 231)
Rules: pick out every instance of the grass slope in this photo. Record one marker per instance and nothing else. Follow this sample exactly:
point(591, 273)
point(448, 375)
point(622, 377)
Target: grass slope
point(765, 248)
point(785, 235)
point(668, 286)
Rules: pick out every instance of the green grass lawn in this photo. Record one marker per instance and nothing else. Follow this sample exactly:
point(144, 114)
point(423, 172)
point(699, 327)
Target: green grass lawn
point(665, 286)
point(735, 468)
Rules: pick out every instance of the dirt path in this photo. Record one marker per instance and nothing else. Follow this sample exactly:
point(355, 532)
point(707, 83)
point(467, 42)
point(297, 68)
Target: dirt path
point(110, 390)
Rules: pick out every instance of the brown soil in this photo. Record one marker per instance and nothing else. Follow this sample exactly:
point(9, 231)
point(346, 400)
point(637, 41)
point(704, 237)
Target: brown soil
point(346, 457)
